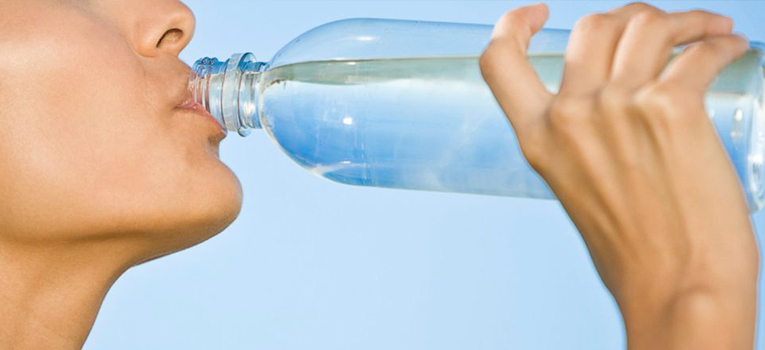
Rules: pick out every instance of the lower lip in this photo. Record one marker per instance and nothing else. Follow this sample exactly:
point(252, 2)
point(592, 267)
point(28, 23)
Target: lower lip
point(198, 109)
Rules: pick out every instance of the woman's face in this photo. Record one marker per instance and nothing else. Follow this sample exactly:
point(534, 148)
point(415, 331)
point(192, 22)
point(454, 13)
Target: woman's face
point(92, 141)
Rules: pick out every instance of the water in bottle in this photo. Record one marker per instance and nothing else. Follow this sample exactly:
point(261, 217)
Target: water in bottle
point(402, 104)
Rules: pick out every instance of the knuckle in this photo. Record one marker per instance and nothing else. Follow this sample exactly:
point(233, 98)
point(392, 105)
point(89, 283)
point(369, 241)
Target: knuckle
point(613, 100)
point(488, 58)
point(647, 19)
point(491, 57)
point(665, 103)
point(567, 116)
point(654, 99)
point(641, 7)
point(595, 22)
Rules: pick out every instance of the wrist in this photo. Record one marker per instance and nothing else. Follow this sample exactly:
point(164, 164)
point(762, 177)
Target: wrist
point(719, 280)
point(725, 267)
point(702, 318)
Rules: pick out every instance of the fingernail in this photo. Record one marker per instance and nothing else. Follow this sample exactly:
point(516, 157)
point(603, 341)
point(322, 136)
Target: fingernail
point(542, 5)
point(537, 4)
point(726, 22)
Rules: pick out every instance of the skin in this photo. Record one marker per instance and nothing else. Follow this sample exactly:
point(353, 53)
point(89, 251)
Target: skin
point(100, 170)
point(667, 229)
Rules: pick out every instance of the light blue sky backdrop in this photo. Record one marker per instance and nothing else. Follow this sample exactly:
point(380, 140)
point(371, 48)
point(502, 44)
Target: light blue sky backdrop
point(311, 264)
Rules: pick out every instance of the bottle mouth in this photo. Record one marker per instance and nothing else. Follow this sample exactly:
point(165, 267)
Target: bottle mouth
point(228, 90)
point(203, 89)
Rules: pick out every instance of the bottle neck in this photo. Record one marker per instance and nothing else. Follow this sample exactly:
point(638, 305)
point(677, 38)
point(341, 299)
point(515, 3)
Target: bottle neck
point(229, 90)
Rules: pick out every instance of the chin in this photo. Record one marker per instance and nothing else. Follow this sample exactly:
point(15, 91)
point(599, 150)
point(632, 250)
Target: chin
point(221, 204)
point(200, 213)
point(228, 203)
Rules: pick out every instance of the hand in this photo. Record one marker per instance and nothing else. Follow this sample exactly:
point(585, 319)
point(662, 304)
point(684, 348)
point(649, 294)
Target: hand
point(630, 152)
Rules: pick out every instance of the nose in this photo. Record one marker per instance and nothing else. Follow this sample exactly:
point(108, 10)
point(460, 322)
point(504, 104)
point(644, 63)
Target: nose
point(165, 29)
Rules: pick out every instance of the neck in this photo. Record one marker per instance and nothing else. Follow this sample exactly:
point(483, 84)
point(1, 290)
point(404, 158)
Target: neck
point(50, 293)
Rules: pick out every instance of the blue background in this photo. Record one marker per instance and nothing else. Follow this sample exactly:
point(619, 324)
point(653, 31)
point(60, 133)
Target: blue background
point(311, 264)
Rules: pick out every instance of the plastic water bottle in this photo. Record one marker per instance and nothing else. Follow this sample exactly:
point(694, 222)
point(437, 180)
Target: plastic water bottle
point(402, 104)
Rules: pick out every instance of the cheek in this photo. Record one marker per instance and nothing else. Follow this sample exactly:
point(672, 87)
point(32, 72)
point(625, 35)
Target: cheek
point(104, 152)
point(88, 140)
point(101, 124)
point(75, 126)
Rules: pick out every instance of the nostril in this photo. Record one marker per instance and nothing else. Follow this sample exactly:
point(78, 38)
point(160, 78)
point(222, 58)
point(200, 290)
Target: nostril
point(171, 36)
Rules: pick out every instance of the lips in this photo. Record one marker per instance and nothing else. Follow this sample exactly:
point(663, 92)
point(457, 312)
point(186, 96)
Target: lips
point(190, 105)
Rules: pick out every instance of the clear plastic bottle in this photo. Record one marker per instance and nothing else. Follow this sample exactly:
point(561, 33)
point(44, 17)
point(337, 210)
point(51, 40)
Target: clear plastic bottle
point(402, 104)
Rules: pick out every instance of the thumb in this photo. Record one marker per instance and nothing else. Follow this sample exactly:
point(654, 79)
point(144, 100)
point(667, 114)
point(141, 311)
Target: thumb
point(526, 20)
point(506, 69)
